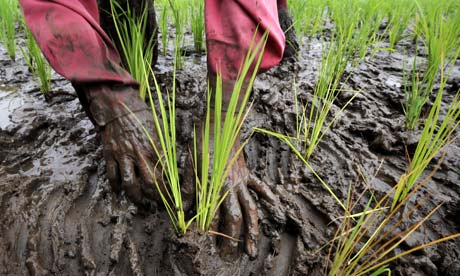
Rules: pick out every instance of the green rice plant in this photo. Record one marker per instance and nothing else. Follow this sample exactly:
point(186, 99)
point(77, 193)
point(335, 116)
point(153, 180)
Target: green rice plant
point(438, 29)
point(416, 94)
point(308, 16)
point(435, 135)
point(311, 125)
point(131, 34)
point(38, 65)
point(163, 24)
point(365, 242)
point(366, 35)
point(209, 193)
point(217, 156)
point(179, 8)
point(440, 35)
point(9, 14)
point(165, 149)
point(400, 13)
point(356, 23)
point(197, 23)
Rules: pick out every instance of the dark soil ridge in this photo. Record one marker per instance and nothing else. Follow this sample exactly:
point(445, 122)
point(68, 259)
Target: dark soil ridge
point(59, 216)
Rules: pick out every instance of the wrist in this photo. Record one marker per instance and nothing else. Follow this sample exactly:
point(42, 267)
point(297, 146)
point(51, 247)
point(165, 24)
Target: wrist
point(108, 102)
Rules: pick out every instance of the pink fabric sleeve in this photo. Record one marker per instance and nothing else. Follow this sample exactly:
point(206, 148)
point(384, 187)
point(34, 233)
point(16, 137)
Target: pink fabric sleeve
point(230, 27)
point(70, 37)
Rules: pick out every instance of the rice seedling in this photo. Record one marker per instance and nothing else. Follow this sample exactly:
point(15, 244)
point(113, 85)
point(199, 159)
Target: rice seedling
point(435, 135)
point(308, 16)
point(311, 125)
point(440, 35)
point(356, 24)
point(137, 50)
point(37, 64)
point(163, 24)
point(164, 147)
point(311, 128)
point(216, 153)
point(209, 194)
point(197, 23)
point(9, 14)
point(365, 242)
point(366, 35)
point(400, 13)
point(180, 20)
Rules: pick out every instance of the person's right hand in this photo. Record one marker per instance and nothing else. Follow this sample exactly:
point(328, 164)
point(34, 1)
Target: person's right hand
point(128, 150)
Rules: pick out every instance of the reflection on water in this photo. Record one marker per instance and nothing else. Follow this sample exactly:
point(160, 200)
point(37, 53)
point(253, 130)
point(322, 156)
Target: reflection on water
point(10, 100)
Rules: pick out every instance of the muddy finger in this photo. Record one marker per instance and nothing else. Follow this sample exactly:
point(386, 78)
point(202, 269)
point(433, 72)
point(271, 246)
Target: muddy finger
point(129, 180)
point(274, 206)
point(233, 220)
point(148, 176)
point(262, 189)
point(113, 174)
point(251, 221)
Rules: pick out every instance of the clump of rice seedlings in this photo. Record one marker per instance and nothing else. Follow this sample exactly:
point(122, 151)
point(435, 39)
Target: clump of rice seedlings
point(38, 65)
point(356, 24)
point(400, 13)
point(312, 120)
point(209, 193)
point(197, 23)
point(216, 153)
point(298, 11)
point(435, 135)
point(137, 50)
point(163, 24)
point(179, 8)
point(9, 14)
point(164, 147)
point(308, 16)
point(416, 93)
point(440, 35)
point(366, 35)
point(365, 242)
point(311, 128)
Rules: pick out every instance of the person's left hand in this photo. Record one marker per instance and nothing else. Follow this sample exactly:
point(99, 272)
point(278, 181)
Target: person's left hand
point(239, 210)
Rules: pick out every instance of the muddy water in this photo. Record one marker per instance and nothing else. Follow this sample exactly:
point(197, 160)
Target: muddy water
point(59, 217)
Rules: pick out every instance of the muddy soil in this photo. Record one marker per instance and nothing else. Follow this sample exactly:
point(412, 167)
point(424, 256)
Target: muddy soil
point(59, 216)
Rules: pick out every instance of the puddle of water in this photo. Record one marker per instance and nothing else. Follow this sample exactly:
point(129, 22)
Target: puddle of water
point(10, 100)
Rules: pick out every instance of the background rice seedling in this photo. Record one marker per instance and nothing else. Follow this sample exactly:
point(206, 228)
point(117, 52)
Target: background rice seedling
point(9, 14)
point(36, 62)
point(435, 135)
point(439, 32)
point(179, 16)
point(399, 13)
point(163, 24)
point(136, 48)
point(196, 8)
point(365, 241)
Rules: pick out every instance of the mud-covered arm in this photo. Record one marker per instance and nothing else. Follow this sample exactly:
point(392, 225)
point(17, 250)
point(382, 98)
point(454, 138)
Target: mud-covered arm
point(230, 28)
point(70, 37)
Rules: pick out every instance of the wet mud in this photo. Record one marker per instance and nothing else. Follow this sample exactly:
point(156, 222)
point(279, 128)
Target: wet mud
point(59, 217)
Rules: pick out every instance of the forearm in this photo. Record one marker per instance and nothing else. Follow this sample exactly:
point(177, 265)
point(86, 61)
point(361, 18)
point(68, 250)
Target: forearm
point(70, 37)
point(230, 27)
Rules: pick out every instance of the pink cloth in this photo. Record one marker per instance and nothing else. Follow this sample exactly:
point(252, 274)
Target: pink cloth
point(230, 28)
point(69, 34)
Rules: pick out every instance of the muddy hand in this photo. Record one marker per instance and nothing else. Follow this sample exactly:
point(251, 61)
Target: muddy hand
point(129, 156)
point(239, 210)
